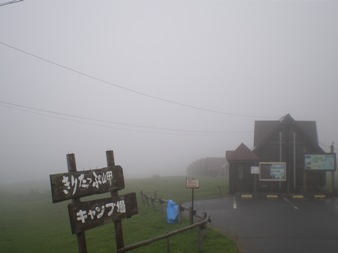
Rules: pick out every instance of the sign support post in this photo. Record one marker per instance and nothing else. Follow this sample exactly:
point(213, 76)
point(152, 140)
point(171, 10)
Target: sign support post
point(80, 236)
point(117, 223)
point(193, 184)
point(333, 172)
point(192, 207)
point(255, 172)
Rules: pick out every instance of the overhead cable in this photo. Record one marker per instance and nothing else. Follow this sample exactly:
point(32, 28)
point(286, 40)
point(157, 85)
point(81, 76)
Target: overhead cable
point(72, 116)
point(132, 90)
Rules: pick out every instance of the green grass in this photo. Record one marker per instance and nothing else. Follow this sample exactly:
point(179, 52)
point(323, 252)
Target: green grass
point(29, 222)
point(174, 188)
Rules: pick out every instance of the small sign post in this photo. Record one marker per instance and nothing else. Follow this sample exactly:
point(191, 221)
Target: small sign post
point(192, 183)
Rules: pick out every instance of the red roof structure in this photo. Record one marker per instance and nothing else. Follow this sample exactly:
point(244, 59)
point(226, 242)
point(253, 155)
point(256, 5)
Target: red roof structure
point(241, 153)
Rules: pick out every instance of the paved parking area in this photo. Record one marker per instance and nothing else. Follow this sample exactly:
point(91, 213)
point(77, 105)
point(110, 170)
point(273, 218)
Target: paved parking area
point(276, 224)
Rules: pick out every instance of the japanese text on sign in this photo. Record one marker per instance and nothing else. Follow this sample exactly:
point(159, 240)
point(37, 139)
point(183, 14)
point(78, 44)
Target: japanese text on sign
point(99, 211)
point(72, 183)
point(78, 184)
point(90, 214)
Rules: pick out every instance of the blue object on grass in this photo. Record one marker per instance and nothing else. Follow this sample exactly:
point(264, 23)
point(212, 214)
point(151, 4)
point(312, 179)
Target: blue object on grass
point(172, 212)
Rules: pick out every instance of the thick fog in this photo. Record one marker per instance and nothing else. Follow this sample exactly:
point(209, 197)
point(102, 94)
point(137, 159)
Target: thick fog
point(162, 83)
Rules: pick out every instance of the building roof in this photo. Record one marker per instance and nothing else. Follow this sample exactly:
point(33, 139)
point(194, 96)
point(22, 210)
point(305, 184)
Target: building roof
point(241, 153)
point(265, 129)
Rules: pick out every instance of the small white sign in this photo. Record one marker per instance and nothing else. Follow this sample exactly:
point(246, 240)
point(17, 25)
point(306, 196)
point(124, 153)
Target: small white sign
point(255, 170)
point(193, 182)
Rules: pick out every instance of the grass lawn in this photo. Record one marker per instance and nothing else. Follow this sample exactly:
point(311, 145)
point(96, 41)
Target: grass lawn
point(29, 222)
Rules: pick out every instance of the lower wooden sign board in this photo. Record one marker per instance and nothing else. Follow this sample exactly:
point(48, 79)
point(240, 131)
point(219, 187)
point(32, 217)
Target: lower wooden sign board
point(91, 214)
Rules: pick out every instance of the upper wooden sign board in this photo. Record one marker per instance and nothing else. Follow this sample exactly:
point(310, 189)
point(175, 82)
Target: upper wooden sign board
point(78, 184)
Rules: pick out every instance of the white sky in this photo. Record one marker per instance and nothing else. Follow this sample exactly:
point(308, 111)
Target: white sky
point(148, 63)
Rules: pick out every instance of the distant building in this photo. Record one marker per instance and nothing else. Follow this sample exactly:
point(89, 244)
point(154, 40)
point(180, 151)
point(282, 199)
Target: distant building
point(210, 166)
point(285, 140)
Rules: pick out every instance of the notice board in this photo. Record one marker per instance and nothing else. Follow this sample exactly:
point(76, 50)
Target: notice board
point(272, 171)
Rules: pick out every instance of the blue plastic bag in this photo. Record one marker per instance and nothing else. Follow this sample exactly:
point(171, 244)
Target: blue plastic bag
point(172, 212)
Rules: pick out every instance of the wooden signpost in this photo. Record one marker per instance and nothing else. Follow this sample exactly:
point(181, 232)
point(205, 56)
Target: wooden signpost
point(192, 183)
point(90, 214)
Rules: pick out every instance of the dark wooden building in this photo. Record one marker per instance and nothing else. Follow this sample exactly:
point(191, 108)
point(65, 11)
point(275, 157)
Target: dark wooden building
point(240, 162)
point(285, 140)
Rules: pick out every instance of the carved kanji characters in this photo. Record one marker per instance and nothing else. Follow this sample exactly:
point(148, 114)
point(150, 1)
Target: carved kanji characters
point(121, 206)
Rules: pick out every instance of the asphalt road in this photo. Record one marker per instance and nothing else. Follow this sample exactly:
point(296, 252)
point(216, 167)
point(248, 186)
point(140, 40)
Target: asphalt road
point(283, 225)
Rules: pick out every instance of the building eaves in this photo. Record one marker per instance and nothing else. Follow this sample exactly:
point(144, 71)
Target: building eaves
point(241, 153)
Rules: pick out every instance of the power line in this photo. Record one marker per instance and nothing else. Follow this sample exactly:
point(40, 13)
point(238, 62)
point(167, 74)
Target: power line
point(138, 127)
point(131, 90)
point(10, 2)
point(101, 125)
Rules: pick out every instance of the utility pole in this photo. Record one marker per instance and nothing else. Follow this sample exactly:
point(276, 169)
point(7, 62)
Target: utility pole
point(333, 172)
point(10, 2)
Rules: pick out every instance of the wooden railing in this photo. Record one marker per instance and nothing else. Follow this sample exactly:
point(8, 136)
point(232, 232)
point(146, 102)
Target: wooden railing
point(201, 225)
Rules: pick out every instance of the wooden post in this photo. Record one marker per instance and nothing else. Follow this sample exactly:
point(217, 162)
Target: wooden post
point(153, 203)
point(168, 244)
point(179, 219)
point(117, 223)
point(333, 172)
point(199, 228)
point(305, 181)
point(192, 207)
point(81, 237)
point(141, 193)
point(161, 205)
